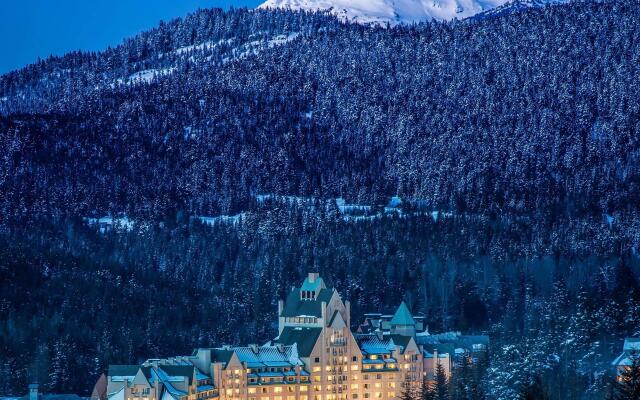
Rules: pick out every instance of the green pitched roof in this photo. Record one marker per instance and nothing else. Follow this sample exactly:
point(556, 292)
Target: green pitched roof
point(294, 306)
point(316, 285)
point(400, 340)
point(123, 370)
point(402, 316)
point(221, 355)
point(305, 338)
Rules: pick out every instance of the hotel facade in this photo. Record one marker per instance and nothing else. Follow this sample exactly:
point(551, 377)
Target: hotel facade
point(315, 356)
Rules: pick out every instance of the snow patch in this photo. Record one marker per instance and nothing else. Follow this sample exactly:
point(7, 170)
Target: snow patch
point(148, 75)
point(106, 224)
point(222, 219)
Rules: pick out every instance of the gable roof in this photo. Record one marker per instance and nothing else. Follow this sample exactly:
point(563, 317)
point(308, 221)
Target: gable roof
point(337, 322)
point(402, 341)
point(305, 338)
point(294, 306)
point(402, 316)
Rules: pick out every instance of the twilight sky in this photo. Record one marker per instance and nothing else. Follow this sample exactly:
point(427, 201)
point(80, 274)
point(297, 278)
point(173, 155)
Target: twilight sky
point(37, 28)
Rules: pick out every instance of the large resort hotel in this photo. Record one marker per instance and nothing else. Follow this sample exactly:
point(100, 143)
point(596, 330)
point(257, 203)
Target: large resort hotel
point(315, 356)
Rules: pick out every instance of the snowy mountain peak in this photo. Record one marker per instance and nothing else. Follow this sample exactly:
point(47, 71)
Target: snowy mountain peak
point(393, 11)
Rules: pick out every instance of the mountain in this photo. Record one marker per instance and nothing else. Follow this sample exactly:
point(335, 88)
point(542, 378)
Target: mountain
point(510, 115)
point(400, 11)
point(163, 194)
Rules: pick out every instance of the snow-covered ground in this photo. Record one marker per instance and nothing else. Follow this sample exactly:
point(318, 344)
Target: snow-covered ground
point(148, 75)
point(222, 219)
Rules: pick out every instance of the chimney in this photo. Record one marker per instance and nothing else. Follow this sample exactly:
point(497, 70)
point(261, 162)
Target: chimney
point(347, 306)
point(313, 276)
point(436, 361)
point(280, 307)
point(33, 391)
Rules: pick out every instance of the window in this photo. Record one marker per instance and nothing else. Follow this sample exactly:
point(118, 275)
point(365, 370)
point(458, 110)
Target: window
point(317, 359)
point(354, 358)
point(354, 367)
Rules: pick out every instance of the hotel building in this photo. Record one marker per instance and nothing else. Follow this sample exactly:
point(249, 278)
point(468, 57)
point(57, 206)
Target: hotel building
point(315, 356)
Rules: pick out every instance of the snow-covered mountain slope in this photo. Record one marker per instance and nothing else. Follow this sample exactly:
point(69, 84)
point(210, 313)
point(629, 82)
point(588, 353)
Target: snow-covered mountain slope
point(395, 11)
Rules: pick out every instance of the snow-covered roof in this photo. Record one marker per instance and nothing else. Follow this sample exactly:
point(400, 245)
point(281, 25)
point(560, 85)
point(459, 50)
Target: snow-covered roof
point(631, 344)
point(280, 356)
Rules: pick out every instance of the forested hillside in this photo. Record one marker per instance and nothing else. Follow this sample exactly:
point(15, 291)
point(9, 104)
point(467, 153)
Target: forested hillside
point(511, 142)
point(555, 299)
point(536, 111)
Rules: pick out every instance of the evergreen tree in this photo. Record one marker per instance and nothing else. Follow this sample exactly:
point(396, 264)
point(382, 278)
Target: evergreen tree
point(533, 390)
point(408, 392)
point(427, 391)
point(441, 384)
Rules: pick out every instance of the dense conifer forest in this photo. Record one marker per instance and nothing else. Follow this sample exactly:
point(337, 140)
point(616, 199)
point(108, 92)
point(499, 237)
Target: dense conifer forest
point(512, 141)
